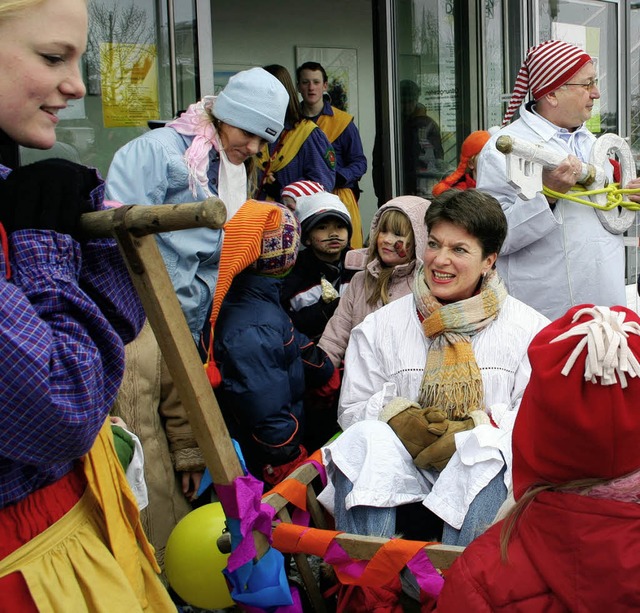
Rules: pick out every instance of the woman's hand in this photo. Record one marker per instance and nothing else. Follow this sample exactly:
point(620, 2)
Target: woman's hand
point(438, 454)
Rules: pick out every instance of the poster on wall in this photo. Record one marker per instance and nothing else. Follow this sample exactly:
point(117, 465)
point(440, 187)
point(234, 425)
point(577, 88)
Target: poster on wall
point(342, 72)
point(129, 83)
point(588, 39)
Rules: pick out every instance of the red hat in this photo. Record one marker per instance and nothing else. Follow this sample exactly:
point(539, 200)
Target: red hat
point(301, 188)
point(472, 145)
point(547, 66)
point(580, 414)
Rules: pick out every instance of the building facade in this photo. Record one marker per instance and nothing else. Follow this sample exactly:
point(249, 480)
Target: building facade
point(418, 75)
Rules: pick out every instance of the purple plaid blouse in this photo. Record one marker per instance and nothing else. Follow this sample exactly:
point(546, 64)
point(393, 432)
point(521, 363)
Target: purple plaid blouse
point(64, 316)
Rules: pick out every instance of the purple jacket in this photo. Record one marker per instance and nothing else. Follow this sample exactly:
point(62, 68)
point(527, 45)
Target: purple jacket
point(351, 162)
point(315, 161)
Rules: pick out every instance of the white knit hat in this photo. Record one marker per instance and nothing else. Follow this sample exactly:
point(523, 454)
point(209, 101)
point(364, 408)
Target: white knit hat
point(310, 210)
point(547, 66)
point(255, 101)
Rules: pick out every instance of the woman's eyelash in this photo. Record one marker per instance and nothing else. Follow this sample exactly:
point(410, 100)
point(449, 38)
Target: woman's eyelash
point(53, 59)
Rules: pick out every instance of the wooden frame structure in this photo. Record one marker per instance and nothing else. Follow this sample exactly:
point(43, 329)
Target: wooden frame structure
point(133, 227)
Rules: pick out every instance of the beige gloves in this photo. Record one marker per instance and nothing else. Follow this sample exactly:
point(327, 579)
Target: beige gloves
point(438, 455)
point(427, 434)
point(417, 428)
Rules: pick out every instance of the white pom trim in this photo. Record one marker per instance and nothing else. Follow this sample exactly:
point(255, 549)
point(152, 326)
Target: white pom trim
point(606, 339)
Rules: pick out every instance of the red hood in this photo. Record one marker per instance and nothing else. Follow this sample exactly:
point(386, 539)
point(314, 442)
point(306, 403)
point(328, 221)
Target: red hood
point(569, 552)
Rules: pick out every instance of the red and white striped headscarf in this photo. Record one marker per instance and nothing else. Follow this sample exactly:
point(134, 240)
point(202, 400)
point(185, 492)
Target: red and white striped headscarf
point(547, 66)
point(301, 188)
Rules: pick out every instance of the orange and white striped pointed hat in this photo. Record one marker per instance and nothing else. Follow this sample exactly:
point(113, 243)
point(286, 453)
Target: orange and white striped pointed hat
point(265, 235)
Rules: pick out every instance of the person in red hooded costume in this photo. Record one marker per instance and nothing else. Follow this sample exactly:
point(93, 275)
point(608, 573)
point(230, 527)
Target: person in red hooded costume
point(572, 541)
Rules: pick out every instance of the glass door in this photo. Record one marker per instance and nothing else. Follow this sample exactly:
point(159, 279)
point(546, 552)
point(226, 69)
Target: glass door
point(593, 26)
point(427, 92)
point(499, 61)
point(453, 74)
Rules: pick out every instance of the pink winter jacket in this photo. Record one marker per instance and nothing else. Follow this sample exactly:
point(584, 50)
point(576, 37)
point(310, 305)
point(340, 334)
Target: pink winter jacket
point(353, 306)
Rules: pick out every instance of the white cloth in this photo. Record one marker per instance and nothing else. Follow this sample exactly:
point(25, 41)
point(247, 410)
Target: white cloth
point(385, 358)
point(552, 260)
point(135, 473)
point(232, 184)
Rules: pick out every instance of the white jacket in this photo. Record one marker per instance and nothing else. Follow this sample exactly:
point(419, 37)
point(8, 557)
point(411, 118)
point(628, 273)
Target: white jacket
point(385, 359)
point(552, 260)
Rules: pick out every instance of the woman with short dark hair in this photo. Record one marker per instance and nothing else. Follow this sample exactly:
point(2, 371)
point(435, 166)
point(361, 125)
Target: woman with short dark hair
point(432, 385)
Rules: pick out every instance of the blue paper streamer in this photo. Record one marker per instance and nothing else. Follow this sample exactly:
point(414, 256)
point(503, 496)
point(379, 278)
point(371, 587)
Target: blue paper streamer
point(261, 584)
point(206, 480)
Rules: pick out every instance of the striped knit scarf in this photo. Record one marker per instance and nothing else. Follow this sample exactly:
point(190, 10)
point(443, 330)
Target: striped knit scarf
point(451, 380)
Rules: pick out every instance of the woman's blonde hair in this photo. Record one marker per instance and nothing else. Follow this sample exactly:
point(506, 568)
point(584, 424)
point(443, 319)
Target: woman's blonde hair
point(7, 7)
point(11, 7)
point(517, 513)
point(392, 220)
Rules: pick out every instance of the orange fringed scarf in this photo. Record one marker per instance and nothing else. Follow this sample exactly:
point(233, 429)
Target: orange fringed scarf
point(451, 379)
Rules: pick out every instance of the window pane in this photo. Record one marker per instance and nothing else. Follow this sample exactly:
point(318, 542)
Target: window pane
point(127, 73)
point(593, 27)
point(427, 93)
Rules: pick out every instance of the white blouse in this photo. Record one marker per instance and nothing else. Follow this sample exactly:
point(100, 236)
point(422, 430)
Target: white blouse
point(385, 358)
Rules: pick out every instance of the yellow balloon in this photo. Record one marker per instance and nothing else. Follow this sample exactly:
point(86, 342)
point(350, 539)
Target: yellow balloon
point(192, 562)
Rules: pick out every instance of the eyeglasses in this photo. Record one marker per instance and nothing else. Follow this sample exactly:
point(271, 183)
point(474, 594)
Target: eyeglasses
point(592, 84)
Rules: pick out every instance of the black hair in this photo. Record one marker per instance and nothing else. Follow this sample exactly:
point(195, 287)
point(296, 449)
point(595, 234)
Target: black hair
point(311, 66)
point(478, 213)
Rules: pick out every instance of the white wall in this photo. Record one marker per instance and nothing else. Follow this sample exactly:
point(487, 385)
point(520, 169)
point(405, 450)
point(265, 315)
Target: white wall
point(251, 33)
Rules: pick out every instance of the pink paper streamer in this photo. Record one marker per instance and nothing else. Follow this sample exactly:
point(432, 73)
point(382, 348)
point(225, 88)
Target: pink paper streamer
point(241, 500)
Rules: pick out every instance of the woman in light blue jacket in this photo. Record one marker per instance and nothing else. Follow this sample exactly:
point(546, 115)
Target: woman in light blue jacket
point(207, 151)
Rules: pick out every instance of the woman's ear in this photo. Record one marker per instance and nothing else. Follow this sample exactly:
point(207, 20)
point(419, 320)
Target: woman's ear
point(490, 262)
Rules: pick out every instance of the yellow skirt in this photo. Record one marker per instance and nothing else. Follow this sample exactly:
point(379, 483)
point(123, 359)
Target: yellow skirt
point(94, 558)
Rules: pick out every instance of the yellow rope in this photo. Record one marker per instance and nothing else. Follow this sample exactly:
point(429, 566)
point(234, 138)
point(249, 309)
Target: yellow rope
point(614, 196)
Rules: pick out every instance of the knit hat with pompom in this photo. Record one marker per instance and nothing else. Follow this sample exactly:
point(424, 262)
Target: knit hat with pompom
point(580, 413)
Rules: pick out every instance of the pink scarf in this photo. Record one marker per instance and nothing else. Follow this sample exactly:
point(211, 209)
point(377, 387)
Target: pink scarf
point(196, 121)
point(622, 489)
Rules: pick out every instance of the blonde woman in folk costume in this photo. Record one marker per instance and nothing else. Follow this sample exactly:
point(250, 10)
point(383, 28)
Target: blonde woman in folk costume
point(70, 536)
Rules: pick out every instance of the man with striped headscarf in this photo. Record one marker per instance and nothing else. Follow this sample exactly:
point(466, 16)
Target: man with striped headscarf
point(557, 253)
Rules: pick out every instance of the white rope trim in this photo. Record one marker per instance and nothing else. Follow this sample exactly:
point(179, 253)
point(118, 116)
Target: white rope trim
point(608, 352)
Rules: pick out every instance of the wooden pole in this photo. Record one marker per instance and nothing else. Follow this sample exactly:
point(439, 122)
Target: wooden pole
point(158, 297)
